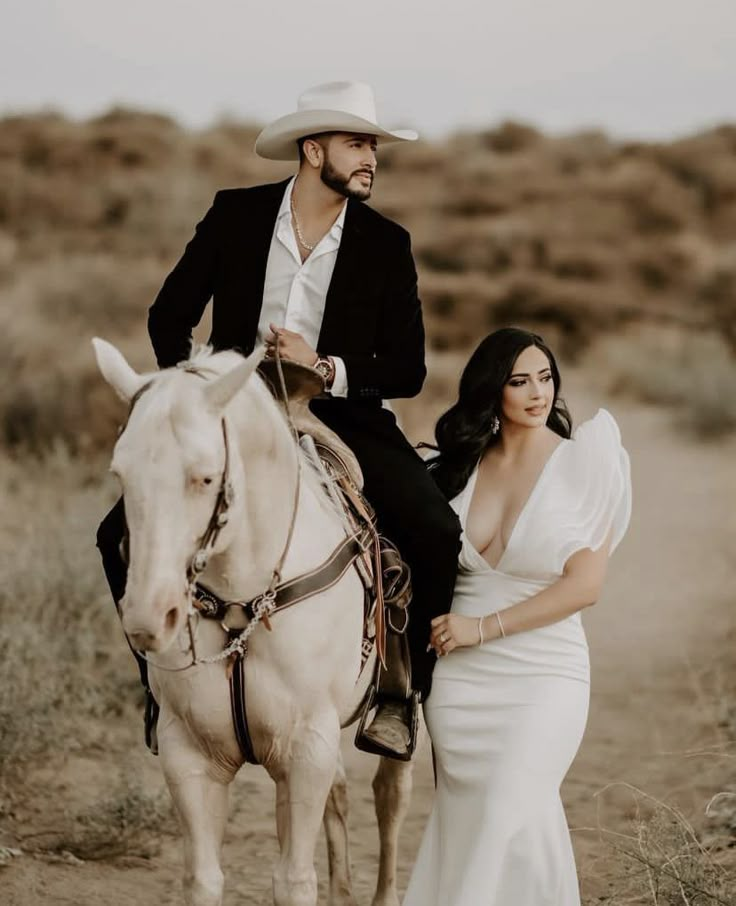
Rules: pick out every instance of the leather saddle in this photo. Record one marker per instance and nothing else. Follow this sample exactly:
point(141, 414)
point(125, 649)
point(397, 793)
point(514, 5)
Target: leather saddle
point(303, 384)
point(385, 575)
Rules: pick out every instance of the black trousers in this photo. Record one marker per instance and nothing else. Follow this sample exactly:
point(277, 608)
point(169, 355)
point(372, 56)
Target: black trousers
point(410, 509)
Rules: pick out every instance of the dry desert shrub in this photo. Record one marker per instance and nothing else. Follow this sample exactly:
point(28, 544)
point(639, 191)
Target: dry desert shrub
point(704, 163)
point(126, 181)
point(577, 234)
point(127, 822)
point(662, 860)
point(511, 137)
point(61, 402)
point(51, 390)
point(657, 202)
point(694, 374)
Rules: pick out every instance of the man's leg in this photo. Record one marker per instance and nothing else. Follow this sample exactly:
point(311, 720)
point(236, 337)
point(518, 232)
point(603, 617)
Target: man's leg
point(412, 512)
point(110, 536)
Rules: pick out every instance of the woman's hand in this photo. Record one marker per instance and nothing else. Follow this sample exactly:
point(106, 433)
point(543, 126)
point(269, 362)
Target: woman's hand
point(452, 631)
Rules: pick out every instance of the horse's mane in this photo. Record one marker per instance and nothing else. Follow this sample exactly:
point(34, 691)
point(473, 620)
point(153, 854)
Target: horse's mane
point(210, 363)
point(205, 359)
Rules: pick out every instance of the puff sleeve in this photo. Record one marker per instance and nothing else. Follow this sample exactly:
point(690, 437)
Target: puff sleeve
point(583, 494)
point(597, 476)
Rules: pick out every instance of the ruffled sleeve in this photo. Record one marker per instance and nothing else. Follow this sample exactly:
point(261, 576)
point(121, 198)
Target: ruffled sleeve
point(598, 474)
point(584, 495)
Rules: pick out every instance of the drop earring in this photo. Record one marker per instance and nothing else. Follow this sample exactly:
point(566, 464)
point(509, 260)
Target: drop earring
point(495, 425)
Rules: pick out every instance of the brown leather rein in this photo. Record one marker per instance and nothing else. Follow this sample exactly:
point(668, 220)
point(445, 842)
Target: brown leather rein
point(240, 618)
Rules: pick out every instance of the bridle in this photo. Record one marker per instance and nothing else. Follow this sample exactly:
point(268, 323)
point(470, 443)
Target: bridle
point(264, 603)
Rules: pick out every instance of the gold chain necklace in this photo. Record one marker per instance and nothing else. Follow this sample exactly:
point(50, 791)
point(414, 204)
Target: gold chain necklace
point(302, 240)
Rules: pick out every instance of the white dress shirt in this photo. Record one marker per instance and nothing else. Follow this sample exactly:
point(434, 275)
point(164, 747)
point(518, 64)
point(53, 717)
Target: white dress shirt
point(295, 292)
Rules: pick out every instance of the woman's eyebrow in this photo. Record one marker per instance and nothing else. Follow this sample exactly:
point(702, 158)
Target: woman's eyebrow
point(526, 373)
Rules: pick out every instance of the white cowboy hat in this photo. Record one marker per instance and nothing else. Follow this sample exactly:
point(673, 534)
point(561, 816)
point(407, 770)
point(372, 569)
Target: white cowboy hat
point(332, 107)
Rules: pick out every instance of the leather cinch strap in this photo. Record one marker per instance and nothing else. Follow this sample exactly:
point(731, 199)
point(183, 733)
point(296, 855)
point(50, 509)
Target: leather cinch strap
point(237, 704)
point(289, 593)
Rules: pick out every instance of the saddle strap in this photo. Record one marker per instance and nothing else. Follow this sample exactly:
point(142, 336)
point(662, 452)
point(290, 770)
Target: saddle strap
point(235, 615)
point(287, 594)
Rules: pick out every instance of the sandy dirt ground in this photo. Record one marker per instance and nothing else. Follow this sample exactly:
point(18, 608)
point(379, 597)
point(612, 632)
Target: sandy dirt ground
point(654, 722)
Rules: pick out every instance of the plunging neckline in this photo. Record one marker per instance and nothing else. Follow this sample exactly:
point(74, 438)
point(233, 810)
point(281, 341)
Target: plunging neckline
point(470, 490)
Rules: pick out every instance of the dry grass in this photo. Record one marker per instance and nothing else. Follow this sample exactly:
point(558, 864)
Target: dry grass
point(663, 860)
point(128, 822)
point(680, 849)
point(60, 638)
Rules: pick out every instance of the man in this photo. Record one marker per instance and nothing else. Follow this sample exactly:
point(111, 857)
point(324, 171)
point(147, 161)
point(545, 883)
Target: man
point(305, 264)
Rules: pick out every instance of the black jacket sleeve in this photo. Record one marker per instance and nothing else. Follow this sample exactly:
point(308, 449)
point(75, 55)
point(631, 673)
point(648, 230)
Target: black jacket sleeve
point(179, 306)
point(396, 369)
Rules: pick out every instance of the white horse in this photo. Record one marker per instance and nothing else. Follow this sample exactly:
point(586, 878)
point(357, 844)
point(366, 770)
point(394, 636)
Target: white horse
point(301, 677)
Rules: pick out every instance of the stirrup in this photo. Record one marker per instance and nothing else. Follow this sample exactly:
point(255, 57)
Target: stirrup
point(372, 746)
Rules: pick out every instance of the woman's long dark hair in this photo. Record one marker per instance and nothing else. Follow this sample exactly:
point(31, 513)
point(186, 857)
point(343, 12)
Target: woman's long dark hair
point(464, 432)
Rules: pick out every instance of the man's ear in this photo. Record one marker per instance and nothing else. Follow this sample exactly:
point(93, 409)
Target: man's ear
point(313, 152)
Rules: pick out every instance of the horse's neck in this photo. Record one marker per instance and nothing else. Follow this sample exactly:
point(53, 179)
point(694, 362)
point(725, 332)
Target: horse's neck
point(268, 466)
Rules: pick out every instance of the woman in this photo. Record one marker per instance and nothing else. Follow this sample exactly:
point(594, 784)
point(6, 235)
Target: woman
point(541, 513)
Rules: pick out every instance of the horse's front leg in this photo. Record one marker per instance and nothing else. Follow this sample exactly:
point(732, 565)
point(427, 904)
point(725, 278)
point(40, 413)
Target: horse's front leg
point(303, 782)
point(201, 799)
point(392, 791)
point(336, 831)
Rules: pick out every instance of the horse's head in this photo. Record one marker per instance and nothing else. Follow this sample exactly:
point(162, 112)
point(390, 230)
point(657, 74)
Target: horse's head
point(171, 462)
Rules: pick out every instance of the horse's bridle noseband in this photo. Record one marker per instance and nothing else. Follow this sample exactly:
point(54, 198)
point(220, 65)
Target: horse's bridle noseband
point(263, 604)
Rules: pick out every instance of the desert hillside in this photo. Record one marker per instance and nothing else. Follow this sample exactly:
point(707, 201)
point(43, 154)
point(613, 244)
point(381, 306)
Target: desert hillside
point(578, 236)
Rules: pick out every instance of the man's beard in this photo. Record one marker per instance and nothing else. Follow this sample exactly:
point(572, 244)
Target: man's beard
point(339, 183)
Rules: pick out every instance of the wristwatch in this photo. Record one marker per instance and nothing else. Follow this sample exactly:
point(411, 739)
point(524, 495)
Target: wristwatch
point(326, 368)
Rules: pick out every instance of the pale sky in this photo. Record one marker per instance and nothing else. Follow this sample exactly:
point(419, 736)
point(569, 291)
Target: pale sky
point(639, 68)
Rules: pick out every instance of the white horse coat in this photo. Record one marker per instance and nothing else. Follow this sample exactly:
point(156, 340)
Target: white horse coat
point(301, 677)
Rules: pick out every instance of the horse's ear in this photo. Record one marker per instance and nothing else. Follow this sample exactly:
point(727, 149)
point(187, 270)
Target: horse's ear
point(219, 393)
point(116, 371)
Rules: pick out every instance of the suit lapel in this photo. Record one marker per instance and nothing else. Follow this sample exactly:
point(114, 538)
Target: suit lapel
point(257, 233)
point(345, 282)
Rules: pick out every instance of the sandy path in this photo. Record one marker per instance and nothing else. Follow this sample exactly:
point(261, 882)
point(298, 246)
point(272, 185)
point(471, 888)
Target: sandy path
point(666, 607)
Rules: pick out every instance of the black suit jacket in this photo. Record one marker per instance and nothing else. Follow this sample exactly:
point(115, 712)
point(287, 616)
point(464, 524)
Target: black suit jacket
point(372, 317)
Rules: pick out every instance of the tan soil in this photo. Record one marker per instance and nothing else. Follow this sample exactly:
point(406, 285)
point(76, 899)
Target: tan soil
point(666, 609)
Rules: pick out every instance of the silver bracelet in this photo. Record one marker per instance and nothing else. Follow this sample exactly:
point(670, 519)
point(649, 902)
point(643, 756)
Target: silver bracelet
point(480, 631)
point(497, 615)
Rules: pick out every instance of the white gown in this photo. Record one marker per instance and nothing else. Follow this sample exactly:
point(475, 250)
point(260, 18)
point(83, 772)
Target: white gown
point(506, 718)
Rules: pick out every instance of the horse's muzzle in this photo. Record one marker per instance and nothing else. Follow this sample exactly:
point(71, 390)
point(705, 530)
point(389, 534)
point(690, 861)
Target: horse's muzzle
point(144, 641)
point(151, 633)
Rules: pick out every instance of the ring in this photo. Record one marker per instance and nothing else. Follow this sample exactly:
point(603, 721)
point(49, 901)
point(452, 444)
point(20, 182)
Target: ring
point(443, 637)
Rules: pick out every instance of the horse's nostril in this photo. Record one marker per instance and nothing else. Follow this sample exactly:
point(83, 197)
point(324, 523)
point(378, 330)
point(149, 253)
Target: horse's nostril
point(171, 619)
point(141, 641)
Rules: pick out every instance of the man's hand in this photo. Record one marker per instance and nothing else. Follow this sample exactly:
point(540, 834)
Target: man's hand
point(291, 346)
